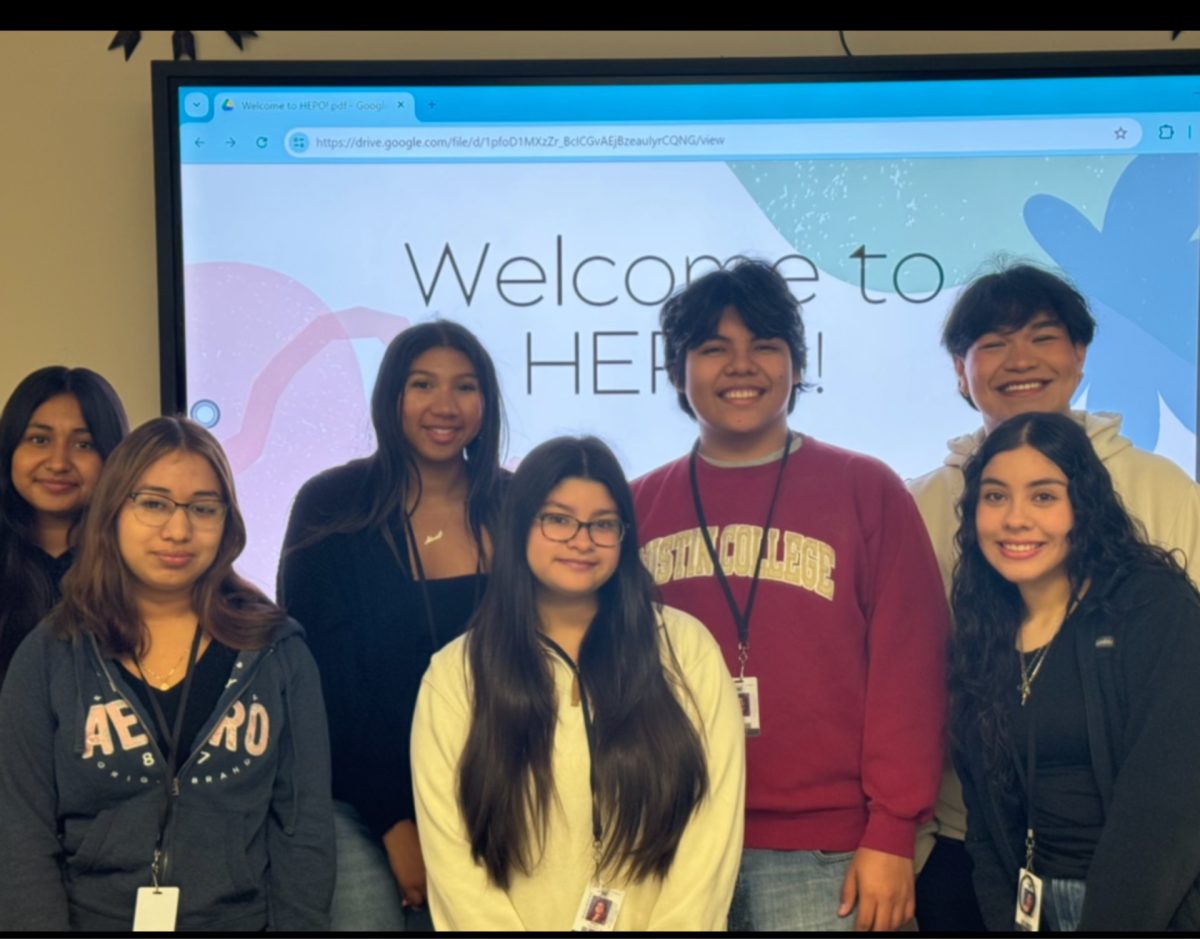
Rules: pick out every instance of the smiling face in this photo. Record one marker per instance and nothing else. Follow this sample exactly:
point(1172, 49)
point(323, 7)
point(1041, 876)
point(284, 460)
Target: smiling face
point(1024, 517)
point(167, 559)
point(56, 465)
point(739, 385)
point(1034, 368)
point(575, 569)
point(441, 408)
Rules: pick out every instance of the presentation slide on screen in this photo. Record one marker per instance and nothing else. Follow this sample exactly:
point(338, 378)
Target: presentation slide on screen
point(297, 275)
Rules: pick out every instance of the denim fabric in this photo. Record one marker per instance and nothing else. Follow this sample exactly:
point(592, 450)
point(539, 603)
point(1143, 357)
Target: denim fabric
point(790, 891)
point(1062, 903)
point(366, 898)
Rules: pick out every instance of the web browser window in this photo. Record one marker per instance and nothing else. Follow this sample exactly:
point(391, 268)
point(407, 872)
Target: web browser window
point(315, 222)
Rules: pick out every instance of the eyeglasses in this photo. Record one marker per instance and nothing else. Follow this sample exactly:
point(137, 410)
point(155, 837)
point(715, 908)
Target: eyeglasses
point(150, 508)
point(604, 532)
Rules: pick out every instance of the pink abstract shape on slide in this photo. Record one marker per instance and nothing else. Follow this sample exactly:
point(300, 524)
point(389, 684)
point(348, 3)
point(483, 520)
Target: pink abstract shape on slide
point(274, 358)
point(246, 446)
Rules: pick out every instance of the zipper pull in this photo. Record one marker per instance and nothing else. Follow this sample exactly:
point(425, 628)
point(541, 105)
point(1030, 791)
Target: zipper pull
point(175, 786)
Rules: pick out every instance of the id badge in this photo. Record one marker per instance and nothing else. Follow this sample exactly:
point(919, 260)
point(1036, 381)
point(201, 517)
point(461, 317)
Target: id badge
point(747, 692)
point(1029, 901)
point(599, 909)
point(156, 909)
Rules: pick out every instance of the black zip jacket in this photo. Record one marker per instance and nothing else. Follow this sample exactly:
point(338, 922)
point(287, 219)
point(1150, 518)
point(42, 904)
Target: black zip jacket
point(1139, 657)
point(364, 616)
point(248, 834)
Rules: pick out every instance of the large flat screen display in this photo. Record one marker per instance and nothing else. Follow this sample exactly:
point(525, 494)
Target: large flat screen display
point(309, 213)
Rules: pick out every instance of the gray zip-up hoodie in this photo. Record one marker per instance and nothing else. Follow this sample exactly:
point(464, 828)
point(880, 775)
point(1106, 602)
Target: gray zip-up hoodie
point(248, 834)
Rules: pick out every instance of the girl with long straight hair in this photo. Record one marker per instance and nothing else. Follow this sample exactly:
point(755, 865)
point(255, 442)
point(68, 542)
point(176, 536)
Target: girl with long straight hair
point(164, 757)
point(578, 756)
point(1073, 682)
point(384, 562)
point(56, 430)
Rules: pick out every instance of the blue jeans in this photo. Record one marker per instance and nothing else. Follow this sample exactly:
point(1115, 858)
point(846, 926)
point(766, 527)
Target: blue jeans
point(790, 891)
point(367, 898)
point(1062, 903)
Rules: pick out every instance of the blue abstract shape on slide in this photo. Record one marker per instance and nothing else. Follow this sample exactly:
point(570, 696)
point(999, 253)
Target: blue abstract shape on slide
point(1141, 271)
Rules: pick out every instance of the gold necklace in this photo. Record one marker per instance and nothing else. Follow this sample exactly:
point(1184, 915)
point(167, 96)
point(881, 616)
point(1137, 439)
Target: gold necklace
point(163, 681)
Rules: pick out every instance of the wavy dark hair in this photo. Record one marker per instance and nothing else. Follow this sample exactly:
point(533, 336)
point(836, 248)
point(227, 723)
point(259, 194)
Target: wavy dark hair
point(1104, 545)
point(392, 470)
point(648, 762)
point(99, 592)
point(1008, 298)
point(761, 297)
point(26, 589)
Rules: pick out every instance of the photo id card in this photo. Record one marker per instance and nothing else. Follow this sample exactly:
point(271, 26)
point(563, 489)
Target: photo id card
point(1029, 901)
point(156, 909)
point(747, 692)
point(599, 909)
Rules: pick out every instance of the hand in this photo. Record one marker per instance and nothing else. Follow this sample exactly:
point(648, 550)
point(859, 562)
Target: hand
point(404, 855)
point(882, 886)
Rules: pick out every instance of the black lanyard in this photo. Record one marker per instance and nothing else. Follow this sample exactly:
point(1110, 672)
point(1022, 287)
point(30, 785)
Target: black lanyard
point(1029, 778)
point(419, 576)
point(741, 618)
point(589, 734)
point(171, 736)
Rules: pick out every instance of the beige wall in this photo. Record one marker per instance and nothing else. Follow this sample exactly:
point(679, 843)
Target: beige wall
point(77, 269)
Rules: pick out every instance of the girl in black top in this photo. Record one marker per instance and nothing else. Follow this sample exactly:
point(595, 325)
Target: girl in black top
point(1073, 685)
point(383, 563)
point(57, 428)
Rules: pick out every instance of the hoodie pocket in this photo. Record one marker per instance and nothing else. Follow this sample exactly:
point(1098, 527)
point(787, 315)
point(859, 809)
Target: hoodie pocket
point(212, 857)
point(237, 855)
point(118, 839)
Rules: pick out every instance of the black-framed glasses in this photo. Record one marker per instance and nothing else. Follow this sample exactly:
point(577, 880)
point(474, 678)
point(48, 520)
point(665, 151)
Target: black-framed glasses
point(151, 508)
point(603, 532)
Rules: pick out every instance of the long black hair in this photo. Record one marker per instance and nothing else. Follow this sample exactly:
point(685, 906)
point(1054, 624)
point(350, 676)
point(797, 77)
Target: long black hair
point(391, 469)
point(1104, 546)
point(648, 760)
point(26, 590)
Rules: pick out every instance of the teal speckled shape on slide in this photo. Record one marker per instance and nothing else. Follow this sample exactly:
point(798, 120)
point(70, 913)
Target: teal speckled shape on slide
point(1123, 229)
point(960, 211)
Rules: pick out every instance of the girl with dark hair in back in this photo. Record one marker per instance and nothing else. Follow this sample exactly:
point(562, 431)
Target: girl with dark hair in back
point(56, 430)
point(581, 742)
point(1074, 689)
point(384, 562)
point(164, 758)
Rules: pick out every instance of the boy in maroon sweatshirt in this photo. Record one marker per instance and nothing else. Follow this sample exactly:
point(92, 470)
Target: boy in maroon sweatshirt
point(833, 626)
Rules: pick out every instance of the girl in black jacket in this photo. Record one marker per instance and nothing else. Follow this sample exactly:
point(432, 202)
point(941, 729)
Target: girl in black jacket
point(1074, 688)
point(57, 428)
point(384, 562)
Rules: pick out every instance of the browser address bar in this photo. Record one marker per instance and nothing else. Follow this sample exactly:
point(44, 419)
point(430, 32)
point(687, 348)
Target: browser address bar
point(725, 141)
